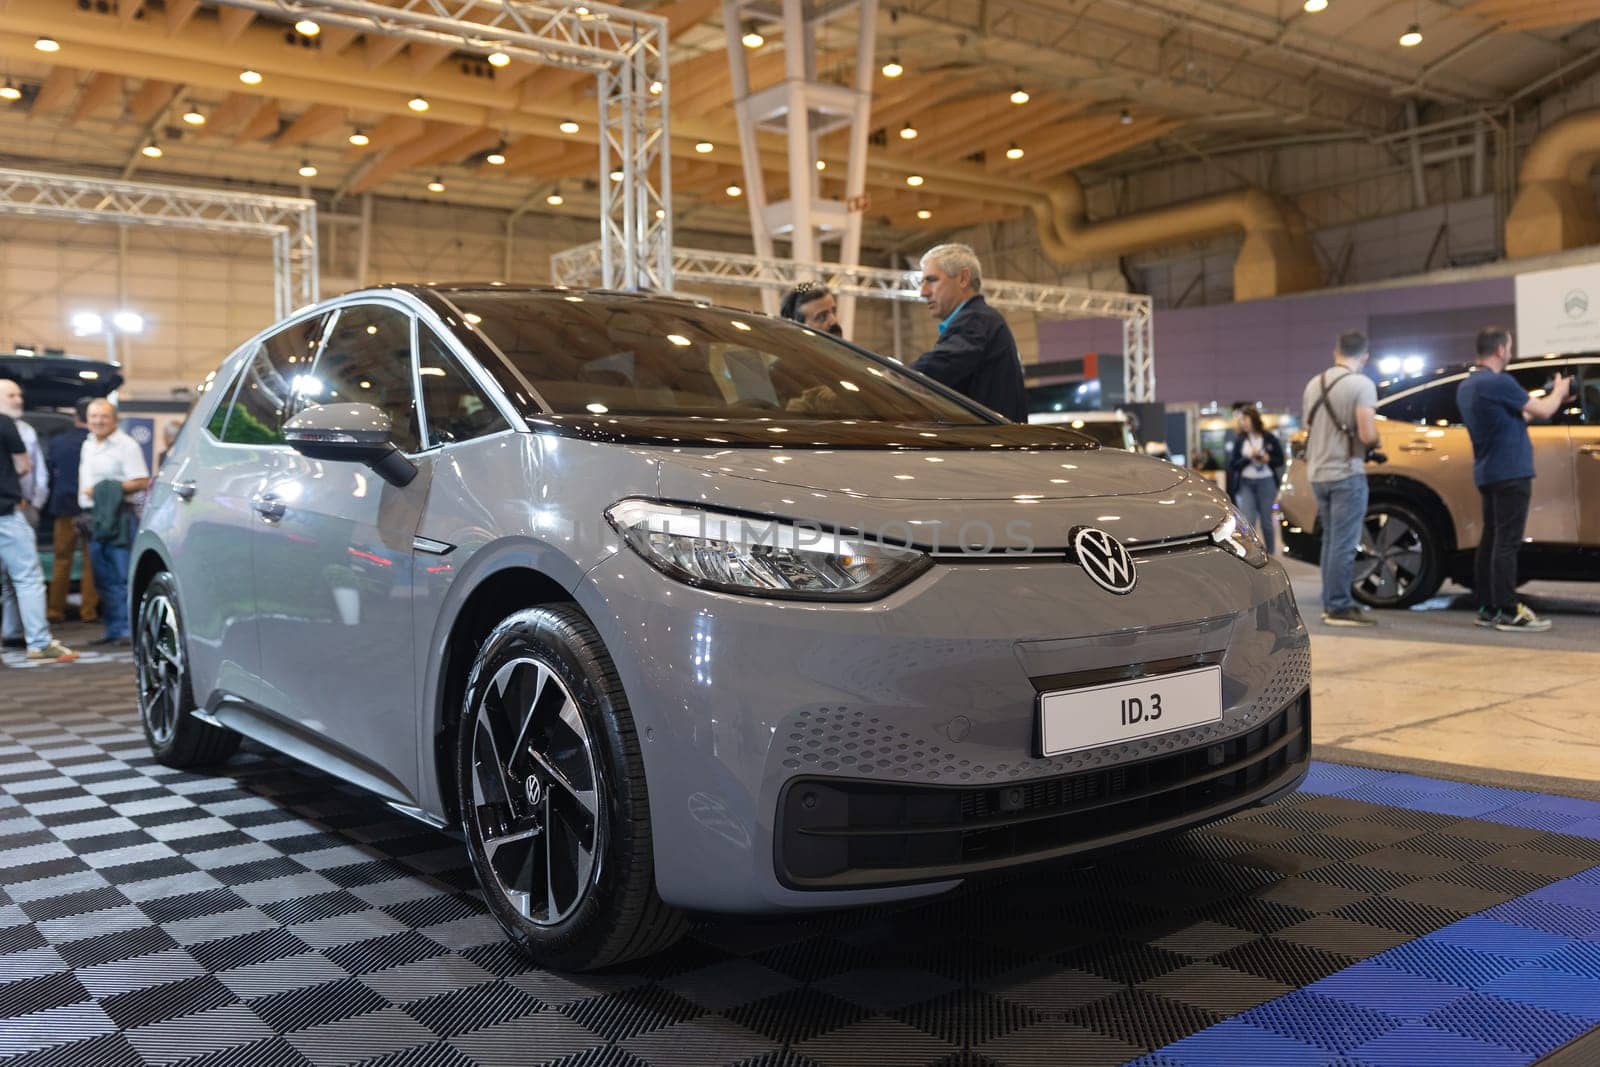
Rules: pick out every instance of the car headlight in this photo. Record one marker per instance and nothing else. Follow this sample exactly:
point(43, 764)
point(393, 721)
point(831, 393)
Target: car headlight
point(1239, 537)
point(763, 557)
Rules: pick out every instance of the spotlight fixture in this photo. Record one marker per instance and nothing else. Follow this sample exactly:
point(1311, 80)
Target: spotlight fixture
point(307, 28)
point(499, 59)
point(1126, 118)
point(908, 132)
point(250, 77)
point(496, 156)
point(417, 103)
point(10, 92)
point(437, 185)
point(661, 213)
point(194, 116)
point(1412, 37)
point(47, 44)
point(913, 180)
point(822, 164)
point(703, 147)
point(359, 138)
point(752, 37)
point(893, 69)
point(1015, 151)
point(568, 126)
point(734, 190)
point(151, 151)
point(555, 200)
point(307, 170)
point(616, 175)
point(1313, 6)
point(924, 214)
point(655, 88)
point(1019, 95)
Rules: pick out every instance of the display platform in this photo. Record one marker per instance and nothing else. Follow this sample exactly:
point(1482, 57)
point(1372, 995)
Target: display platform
point(269, 916)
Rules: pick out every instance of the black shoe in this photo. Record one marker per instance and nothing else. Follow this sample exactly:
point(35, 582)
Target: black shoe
point(112, 641)
point(14, 642)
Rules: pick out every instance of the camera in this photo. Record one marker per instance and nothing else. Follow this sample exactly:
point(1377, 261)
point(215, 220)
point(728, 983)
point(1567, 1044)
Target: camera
point(1377, 455)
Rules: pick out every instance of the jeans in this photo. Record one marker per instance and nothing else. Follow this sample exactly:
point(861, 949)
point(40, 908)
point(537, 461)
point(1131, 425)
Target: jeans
point(1505, 516)
point(111, 577)
point(1255, 500)
point(19, 556)
point(1343, 507)
point(67, 541)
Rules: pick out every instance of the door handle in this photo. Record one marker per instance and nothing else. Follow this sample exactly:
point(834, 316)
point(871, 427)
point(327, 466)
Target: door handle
point(269, 506)
point(1589, 450)
point(185, 489)
point(1416, 446)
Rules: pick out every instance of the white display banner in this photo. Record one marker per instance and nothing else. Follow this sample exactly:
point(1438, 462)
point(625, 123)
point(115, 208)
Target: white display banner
point(1558, 310)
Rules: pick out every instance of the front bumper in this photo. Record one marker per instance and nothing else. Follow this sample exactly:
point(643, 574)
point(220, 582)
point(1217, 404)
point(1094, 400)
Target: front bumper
point(737, 699)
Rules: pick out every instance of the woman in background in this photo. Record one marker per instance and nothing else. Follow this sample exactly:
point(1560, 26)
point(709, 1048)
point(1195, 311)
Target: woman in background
point(1255, 467)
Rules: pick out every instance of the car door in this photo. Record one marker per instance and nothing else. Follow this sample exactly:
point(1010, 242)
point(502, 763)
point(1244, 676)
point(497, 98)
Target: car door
point(1553, 512)
point(1586, 452)
point(336, 561)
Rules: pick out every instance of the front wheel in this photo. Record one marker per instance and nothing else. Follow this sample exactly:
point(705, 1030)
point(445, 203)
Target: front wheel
point(553, 798)
point(166, 693)
point(1400, 561)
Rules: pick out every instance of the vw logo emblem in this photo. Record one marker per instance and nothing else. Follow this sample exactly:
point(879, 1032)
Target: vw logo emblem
point(1104, 560)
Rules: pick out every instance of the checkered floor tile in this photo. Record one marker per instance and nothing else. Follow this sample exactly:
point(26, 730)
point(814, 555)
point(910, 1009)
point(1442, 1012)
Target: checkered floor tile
point(264, 915)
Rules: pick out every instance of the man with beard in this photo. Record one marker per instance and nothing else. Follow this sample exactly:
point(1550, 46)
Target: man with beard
point(811, 304)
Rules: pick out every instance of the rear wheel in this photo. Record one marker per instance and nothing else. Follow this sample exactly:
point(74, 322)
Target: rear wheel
point(1400, 561)
point(553, 796)
point(166, 694)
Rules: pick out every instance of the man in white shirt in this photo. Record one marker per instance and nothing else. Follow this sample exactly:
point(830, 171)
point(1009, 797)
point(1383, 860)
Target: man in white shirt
point(109, 455)
point(35, 491)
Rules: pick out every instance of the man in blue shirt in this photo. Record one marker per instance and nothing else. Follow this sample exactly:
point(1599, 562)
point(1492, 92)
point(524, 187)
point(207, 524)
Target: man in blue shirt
point(1496, 411)
point(975, 354)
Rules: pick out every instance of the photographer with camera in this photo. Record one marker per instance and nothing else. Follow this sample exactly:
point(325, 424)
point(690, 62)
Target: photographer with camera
point(1341, 406)
point(1496, 410)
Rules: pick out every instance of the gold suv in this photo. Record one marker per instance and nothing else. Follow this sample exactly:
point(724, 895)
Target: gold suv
point(1424, 517)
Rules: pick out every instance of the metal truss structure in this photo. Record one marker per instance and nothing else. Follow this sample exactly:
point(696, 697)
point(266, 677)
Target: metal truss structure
point(581, 266)
point(626, 50)
point(289, 223)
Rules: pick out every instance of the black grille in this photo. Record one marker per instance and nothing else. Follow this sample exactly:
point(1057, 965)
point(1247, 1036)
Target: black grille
point(842, 833)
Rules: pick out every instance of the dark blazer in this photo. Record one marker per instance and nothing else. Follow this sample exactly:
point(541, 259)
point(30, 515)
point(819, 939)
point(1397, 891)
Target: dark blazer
point(977, 357)
point(1237, 462)
point(61, 454)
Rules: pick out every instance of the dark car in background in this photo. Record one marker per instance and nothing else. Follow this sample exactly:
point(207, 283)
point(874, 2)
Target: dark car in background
point(1424, 518)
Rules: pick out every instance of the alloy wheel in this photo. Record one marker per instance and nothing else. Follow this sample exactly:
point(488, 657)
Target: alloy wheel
point(1391, 557)
point(536, 791)
point(158, 660)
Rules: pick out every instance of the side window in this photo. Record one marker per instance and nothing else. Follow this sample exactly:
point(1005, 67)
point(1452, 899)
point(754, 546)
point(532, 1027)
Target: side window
point(266, 397)
point(219, 417)
point(1589, 392)
point(1537, 380)
point(367, 359)
point(455, 407)
point(1433, 405)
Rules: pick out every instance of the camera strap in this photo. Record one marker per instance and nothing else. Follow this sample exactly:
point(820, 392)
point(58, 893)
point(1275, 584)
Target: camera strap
point(1322, 402)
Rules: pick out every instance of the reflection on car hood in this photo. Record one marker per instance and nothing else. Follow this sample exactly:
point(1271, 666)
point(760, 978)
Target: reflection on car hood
point(687, 431)
point(999, 474)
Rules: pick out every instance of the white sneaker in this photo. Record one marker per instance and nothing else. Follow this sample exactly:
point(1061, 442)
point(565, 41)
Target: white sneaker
point(1524, 621)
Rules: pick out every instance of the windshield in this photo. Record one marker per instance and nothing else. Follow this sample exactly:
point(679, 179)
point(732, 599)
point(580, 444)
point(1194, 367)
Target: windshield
point(615, 354)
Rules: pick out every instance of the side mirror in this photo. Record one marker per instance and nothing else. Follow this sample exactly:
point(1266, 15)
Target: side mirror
point(350, 433)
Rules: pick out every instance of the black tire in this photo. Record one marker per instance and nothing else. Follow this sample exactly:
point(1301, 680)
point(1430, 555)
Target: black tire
point(570, 783)
point(166, 692)
point(1400, 561)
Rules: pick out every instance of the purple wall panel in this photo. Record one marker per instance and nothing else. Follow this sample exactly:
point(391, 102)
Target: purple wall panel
point(1266, 349)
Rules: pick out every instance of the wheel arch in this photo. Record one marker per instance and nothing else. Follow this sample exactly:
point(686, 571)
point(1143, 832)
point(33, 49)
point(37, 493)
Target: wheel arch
point(1418, 495)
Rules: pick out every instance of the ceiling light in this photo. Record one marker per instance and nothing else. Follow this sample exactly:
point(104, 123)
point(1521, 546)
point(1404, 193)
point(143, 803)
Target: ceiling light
point(822, 164)
point(1019, 95)
point(194, 116)
point(359, 138)
point(499, 59)
point(924, 214)
point(1015, 151)
point(913, 180)
point(47, 44)
point(250, 77)
point(661, 213)
point(1126, 118)
point(307, 28)
point(908, 132)
point(417, 103)
point(307, 170)
point(497, 157)
point(734, 190)
point(8, 91)
point(568, 126)
point(1412, 37)
point(1313, 6)
point(436, 186)
point(151, 151)
point(703, 147)
point(655, 88)
point(893, 69)
point(752, 37)
point(616, 175)
point(555, 200)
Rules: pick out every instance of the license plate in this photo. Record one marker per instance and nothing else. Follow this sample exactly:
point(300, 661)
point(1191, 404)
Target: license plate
point(1071, 720)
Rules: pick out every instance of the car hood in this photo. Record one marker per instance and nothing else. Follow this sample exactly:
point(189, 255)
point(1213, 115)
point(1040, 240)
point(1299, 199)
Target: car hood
point(936, 475)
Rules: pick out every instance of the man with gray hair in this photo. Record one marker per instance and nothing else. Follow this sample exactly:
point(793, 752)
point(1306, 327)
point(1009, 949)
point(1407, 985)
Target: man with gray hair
point(975, 354)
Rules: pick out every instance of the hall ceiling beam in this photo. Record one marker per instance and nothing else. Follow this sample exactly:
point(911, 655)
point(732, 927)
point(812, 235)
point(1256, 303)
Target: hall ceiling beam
point(391, 132)
point(312, 123)
point(179, 12)
point(233, 111)
point(102, 91)
point(438, 136)
point(232, 22)
point(263, 123)
point(151, 99)
point(56, 91)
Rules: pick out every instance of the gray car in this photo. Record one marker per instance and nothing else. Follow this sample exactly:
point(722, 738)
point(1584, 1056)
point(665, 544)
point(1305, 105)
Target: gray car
point(670, 607)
